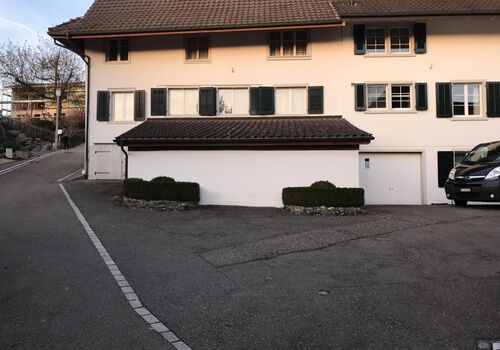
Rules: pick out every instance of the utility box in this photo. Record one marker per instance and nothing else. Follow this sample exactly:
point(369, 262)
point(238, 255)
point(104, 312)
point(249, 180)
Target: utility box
point(9, 153)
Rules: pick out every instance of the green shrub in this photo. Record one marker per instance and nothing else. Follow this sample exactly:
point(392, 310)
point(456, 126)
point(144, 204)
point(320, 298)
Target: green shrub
point(163, 179)
point(323, 184)
point(324, 197)
point(169, 191)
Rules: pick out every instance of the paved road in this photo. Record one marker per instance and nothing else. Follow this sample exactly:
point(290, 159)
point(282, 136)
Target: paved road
point(240, 278)
point(55, 291)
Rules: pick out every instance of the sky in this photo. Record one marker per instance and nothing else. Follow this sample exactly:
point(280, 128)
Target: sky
point(24, 20)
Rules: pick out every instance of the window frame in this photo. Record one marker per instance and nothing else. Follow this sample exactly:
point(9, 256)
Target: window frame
point(290, 87)
point(291, 57)
point(186, 40)
point(388, 40)
point(225, 115)
point(169, 101)
point(112, 94)
point(389, 95)
point(481, 96)
point(118, 51)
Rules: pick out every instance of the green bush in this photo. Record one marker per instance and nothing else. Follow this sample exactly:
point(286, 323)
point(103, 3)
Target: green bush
point(163, 179)
point(169, 191)
point(323, 184)
point(324, 197)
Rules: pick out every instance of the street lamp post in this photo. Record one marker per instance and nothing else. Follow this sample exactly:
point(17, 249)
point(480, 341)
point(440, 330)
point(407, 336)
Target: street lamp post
point(58, 113)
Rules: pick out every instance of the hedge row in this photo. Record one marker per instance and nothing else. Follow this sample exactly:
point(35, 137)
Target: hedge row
point(161, 189)
point(324, 197)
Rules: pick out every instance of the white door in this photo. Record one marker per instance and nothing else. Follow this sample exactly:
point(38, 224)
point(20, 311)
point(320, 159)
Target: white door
point(391, 178)
point(107, 163)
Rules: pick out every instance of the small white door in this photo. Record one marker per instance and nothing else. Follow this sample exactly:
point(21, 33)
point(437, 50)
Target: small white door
point(108, 163)
point(391, 178)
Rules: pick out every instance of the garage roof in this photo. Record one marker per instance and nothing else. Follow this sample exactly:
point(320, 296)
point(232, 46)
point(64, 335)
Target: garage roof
point(251, 132)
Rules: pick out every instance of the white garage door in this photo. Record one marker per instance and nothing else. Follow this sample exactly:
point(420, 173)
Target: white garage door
point(391, 178)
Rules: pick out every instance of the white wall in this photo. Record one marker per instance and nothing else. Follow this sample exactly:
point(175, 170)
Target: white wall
point(458, 49)
point(247, 178)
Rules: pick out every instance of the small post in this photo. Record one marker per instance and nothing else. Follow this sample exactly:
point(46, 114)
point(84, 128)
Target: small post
point(58, 113)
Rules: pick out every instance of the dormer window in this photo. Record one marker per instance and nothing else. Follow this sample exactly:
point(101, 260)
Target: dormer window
point(117, 50)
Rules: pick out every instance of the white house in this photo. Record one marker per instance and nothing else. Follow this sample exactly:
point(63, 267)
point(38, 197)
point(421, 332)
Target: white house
point(245, 97)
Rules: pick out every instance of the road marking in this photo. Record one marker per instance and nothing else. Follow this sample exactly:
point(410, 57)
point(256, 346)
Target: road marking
point(22, 165)
point(132, 298)
point(70, 175)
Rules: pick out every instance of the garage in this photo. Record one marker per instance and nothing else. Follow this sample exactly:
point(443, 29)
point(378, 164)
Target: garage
point(391, 178)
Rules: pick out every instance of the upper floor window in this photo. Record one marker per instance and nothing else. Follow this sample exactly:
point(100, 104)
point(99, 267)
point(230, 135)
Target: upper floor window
point(117, 50)
point(466, 100)
point(290, 43)
point(395, 97)
point(122, 106)
point(400, 40)
point(291, 100)
point(183, 101)
point(197, 48)
point(388, 40)
point(375, 40)
point(232, 101)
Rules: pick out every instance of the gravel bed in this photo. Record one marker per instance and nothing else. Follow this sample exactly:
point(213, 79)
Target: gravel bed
point(323, 211)
point(156, 205)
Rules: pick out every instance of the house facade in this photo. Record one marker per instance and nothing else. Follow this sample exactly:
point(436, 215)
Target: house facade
point(416, 86)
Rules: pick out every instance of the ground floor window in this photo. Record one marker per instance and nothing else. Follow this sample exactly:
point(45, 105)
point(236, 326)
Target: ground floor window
point(183, 101)
point(377, 96)
point(395, 97)
point(466, 99)
point(291, 100)
point(232, 101)
point(122, 106)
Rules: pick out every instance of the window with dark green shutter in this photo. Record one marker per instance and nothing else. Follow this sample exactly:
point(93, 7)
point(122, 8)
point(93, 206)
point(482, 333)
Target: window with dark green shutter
point(359, 97)
point(315, 100)
point(262, 100)
point(139, 105)
point(420, 34)
point(493, 99)
point(208, 102)
point(443, 100)
point(359, 33)
point(421, 96)
point(158, 102)
point(446, 162)
point(103, 106)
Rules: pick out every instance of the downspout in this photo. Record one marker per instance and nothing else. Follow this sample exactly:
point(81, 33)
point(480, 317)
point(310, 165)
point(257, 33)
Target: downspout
point(86, 60)
point(126, 160)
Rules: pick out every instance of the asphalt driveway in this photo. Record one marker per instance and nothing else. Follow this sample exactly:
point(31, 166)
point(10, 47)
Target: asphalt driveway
point(259, 278)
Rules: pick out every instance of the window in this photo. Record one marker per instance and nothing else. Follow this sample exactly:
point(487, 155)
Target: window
point(291, 100)
point(122, 106)
point(288, 43)
point(375, 40)
point(400, 40)
point(117, 50)
point(183, 101)
point(466, 99)
point(377, 96)
point(197, 48)
point(401, 97)
point(233, 101)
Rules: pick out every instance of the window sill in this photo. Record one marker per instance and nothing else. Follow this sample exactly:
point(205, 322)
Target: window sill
point(122, 122)
point(380, 55)
point(197, 61)
point(288, 58)
point(391, 112)
point(117, 63)
point(469, 119)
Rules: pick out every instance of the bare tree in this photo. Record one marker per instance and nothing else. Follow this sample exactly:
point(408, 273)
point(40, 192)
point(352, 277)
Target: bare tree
point(40, 69)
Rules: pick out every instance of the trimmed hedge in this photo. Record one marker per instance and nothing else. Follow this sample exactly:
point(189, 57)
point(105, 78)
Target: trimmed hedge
point(161, 190)
point(163, 179)
point(323, 197)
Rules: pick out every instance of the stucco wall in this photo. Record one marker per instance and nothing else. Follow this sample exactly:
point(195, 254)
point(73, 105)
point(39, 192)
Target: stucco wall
point(458, 49)
point(247, 178)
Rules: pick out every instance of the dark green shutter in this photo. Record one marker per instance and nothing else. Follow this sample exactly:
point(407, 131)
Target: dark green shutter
point(420, 34)
point(262, 100)
point(254, 100)
point(208, 101)
point(158, 102)
point(359, 97)
point(315, 100)
point(266, 100)
point(103, 106)
point(443, 100)
point(359, 34)
point(493, 99)
point(139, 105)
point(446, 162)
point(421, 96)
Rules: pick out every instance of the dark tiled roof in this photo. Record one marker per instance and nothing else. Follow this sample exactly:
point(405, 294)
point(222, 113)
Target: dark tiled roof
point(145, 16)
point(396, 8)
point(250, 131)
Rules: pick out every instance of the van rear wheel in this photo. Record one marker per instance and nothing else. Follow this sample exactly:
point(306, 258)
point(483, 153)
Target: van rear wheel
point(460, 203)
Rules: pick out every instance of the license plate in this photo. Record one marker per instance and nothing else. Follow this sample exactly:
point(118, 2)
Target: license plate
point(465, 190)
